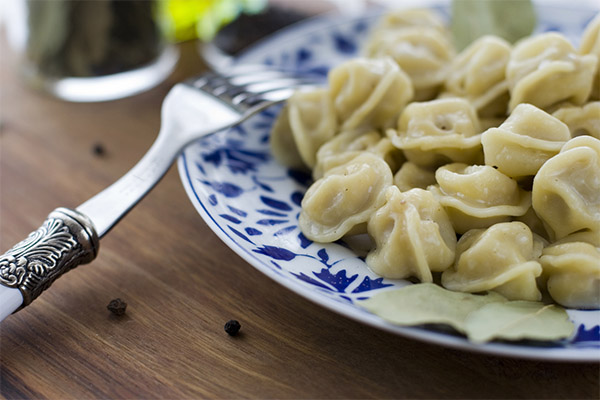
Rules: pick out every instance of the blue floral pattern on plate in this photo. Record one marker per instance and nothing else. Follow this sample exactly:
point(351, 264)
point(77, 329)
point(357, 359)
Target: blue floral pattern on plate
point(252, 203)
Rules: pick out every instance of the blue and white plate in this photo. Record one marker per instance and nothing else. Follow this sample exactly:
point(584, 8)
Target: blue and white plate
point(252, 203)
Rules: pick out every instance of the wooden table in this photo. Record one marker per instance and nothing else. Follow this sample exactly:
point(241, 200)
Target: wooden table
point(181, 284)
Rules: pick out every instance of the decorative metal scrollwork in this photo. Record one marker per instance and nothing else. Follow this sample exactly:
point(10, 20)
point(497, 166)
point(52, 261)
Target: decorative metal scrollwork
point(66, 239)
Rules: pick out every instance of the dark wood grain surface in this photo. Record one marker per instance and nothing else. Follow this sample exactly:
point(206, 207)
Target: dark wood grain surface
point(181, 284)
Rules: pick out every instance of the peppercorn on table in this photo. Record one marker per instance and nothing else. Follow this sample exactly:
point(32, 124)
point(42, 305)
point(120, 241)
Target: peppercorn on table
point(169, 311)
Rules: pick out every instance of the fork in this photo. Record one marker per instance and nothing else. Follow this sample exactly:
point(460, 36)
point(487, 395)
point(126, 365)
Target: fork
point(192, 109)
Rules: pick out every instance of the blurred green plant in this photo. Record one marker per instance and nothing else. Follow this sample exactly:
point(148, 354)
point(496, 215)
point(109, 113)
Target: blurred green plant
point(509, 19)
point(202, 19)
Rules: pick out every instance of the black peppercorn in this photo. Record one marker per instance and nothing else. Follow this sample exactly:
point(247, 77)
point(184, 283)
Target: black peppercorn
point(232, 327)
point(117, 306)
point(98, 149)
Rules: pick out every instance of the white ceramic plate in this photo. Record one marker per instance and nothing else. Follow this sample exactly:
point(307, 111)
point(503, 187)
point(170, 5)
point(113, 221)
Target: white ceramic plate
point(252, 203)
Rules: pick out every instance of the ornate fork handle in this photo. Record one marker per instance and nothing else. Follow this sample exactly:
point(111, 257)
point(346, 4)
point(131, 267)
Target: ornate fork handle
point(66, 239)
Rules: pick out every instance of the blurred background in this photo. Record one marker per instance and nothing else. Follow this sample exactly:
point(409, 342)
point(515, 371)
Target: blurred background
point(98, 50)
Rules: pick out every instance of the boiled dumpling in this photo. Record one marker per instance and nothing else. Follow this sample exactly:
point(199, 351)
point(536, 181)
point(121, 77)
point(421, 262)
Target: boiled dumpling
point(502, 258)
point(410, 176)
point(478, 196)
point(344, 197)
point(490, 122)
point(401, 19)
point(590, 44)
point(583, 120)
point(282, 142)
point(392, 155)
point(572, 272)
point(412, 236)
point(368, 93)
point(522, 143)
point(566, 190)
point(534, 222)
point(306, 122)
point(343, 146)
point(478, 74)
point(586, 235)
point(545, 69)
point(420, 43)
point(312, 121)
point(436, 132)
point(346, 145)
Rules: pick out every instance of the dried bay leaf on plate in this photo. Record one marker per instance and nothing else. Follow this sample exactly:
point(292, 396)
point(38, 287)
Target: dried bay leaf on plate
point(427, 303)
point(480, 317)
point(516, 320)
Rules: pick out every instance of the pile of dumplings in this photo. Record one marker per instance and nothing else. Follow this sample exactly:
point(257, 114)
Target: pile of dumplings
point(478, 170)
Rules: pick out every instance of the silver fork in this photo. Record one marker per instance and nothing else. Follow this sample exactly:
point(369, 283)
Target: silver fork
point(192, 109)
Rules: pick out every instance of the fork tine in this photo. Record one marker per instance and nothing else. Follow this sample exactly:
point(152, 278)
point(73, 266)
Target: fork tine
point(246, 86)
point(274, 94)
point(246, 74)
point(237, 93)
point(213, 80)
point(262, 76)
point(244, 69)
point(281, 83)
point(251, 69)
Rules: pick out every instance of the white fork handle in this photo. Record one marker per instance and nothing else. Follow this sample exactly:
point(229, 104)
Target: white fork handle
point(10, 301)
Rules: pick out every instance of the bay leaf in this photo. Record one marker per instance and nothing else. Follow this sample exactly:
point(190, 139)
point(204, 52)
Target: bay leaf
point(516, 320)
point(427, 303)
point(508, 19)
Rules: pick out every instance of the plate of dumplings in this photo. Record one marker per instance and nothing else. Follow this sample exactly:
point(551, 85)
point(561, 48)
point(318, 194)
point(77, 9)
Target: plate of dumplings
point(474, 169)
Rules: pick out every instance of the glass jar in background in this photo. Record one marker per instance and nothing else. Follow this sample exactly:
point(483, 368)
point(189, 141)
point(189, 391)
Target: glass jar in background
point(86, 51)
